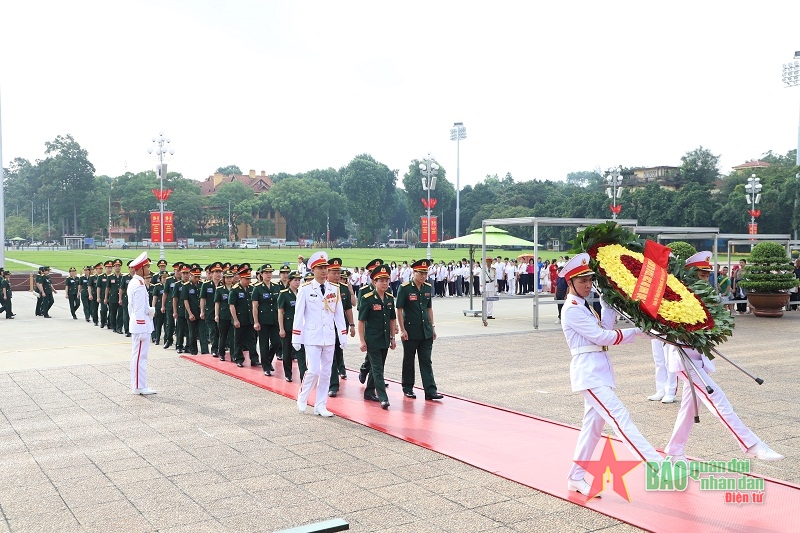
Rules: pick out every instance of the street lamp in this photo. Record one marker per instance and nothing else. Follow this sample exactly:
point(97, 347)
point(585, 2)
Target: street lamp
point(429, 168)
point(791, 77)
point(457, 133)
point(160, 146)
point(614, 178)
point(753, 189)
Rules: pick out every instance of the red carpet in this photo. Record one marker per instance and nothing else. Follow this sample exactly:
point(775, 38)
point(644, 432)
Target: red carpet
point(537, 453)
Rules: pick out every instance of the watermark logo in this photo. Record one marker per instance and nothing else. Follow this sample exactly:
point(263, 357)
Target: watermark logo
point(607, 466)
point(730, 478)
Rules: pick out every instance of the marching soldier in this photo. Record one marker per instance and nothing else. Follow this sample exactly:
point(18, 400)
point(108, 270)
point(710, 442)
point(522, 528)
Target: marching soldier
point(209, 334)
point(178, 310)
point(265, 317)
point(93, 279)
point(115, 298)
point(365, 288)
point(241, 308)
point(166, 304)
point(156, 297)
point(222, 315)
point(190, 301)
point(72, 286)
point(318, 316)
point(338, 368)
point(5, 293)
point(123, 316)
point(417, 331)
point(38, 289)
point(376, 330)
point(287, 299)
point(83, 281)
point(102, 293)
point(46, 289)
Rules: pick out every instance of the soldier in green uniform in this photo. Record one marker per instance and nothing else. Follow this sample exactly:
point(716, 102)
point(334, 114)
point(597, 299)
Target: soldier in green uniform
point(5, 293)
point(286, 303)
point(283, 281)
point(102, 292)
point(376, 330)
point(265, 317)
point(190, 301)
point(46, 289)
point(241, 307)
point(123, 298)
point(72, 292)
point(156, 297)
point(209, 334)
point(364, 371)
point(222, 315)
point(114, 311)
point(166, 305)
point(38, 281)
point(93, 292)
point(83, 281)
point(162, 269)
point(178, 309)
point(417, 330)
point(337, 368)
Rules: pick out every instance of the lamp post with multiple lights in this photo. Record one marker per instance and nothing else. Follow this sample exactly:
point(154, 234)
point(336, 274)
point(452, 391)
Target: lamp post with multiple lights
point(791, 77)
point(457, 133)
point(429, 168)
point(753, 190)
point(160, 146)
point(614, 179)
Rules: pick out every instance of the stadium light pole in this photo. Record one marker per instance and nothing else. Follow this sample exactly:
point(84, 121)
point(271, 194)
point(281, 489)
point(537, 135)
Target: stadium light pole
point(160, 147)
point(2, 200)
point(457, 133)
point(614, 178)
point(791, 77)
point(429, 169)
point(753, 190)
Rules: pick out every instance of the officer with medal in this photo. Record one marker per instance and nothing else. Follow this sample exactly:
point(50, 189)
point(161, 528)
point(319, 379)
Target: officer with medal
point(190, 301)
point(166, 305)
point(338, 369)
point(222, 314)
point(209, 334)
point(376, 331)
point(72, 286)
point(156, 297)
point(241, 307)
point(589, 337)
point(417, 330)
point(265, 317)
point(179, 310)
point(287, 300)
point(141, 317)
point(367, 287)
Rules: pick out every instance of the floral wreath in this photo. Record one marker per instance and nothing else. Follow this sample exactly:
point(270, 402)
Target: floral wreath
point(689, 315)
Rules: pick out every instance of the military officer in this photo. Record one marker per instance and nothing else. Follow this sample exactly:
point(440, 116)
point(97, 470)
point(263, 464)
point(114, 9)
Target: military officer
point(287, 300)
point(72, 292)
point(179, 310)
point(319, 314)
point(222, 315)
point(166, 304)
point(5, 292)
point(190, 301)
point(142, 324)
point(156, 296)
point(162, 269)
point(115, 297)
point(209, 334)
point(417, 330)
point(365, 288)
point(102, 292)
point(46, 289)
point(83, 281)
point(338, 369)
point(98, 268)
point(241, 308)
point(265, 317)
point(588, 337)
point(38, 284)
point(123, 316)
point(376, 331)
point(284, 272)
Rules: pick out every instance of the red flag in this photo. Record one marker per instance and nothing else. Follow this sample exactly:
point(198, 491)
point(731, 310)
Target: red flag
point(652, 282)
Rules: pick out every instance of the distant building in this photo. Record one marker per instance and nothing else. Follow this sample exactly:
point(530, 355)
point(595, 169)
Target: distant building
point(751, 165)
point(666, 177)
point(259, 184)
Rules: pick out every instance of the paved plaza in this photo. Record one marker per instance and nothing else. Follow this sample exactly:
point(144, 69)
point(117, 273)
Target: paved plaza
point(79, 452)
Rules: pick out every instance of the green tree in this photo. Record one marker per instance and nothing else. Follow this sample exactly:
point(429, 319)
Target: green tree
point(235, 198)
point(585, 178)
point(700, 166)
point(228, 170)
point(67, 178)
point(444, 193)
point(369, 188)
point(305, 204)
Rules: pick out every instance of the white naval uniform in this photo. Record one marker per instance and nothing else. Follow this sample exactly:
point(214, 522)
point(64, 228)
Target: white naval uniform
point(666, 380)
point(315, 325)
point(141, 326)
point(591, 373)
point(489, 289)
point(716, 402)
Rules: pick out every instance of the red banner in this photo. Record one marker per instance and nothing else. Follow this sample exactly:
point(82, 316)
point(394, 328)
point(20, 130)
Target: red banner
point(652, 282)
point(752, 229)
point(159, 194)
point(429, 232)
point(155, 226)
point(615, 208)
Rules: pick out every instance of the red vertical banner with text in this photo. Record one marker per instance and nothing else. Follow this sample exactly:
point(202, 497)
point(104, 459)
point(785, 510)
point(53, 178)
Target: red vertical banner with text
point(433, 227)
point(423, 229)
point(753, 228)
point(169, 226)
point(155, 227)
point(429, 229)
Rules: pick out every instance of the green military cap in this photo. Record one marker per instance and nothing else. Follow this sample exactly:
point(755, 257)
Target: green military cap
point(98, 265)
point(334, 263)
point(421, 266)
point(285, 268)
point(375, 262)
point(216, 267)
point(245, 266)
point(162, 262)
point(294, 274)
point(309, 276)
point(227, 274)
point(266, 268)
point(117, 262)
point(109, 263)
point(196, 269)
point(177, 265)
point(381, 271)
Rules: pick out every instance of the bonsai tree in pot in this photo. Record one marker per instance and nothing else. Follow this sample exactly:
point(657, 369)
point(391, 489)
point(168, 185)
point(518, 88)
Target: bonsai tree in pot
point(768, 278)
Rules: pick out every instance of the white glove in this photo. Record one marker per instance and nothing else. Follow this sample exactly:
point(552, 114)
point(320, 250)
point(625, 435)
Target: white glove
point(343, 342)
point(297, 347)
point(151, 312)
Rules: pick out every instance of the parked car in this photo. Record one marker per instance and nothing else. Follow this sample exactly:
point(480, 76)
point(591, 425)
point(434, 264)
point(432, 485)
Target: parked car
point(249, 243)
point(345, 244)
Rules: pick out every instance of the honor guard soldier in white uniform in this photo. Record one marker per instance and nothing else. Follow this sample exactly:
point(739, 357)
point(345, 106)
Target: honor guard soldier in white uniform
point(716, 402)
point(318, 315)
point(141, 323)
point(588, 337)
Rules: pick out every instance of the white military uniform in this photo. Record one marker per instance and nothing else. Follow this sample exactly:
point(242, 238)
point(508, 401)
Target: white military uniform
point(666, 380)
point(317, 316)
point(591, 373)
point(141, 326)
point(716, 402)
point(489, 281)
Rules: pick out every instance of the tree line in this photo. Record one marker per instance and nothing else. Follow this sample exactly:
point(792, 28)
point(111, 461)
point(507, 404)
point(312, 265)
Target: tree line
point(363, 200)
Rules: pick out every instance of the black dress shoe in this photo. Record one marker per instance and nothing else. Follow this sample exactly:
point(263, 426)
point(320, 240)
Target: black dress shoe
point(279, 357)
point(372, 398)
point(362, 376)
point(332, 393)
point(221, 357)
point(128, 335)
point(74, 317)
point(96, 324)
point(87, 320)
point(255, 363)
point(47, 316)
point(343, 376)
point(288, 379)
point(180, 350)
point(239, 364)
point(167, 344)
point(157, 343)
point(490, 317)
point(214, 355)
point(410, 395)
point(385, 405)
point(436, 396)
point(194, 352)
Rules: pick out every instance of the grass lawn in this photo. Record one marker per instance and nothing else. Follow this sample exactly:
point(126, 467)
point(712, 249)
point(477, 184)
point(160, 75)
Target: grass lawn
point(351, 257)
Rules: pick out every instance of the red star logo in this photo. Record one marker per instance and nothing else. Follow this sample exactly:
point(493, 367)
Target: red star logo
point(608, 463)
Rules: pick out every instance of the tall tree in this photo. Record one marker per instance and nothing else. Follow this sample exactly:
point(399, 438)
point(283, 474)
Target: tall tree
point(67, 178)
point(369, 187)
point(306, 205)
point(228, 170)
point(699, 166)
point(235, 197)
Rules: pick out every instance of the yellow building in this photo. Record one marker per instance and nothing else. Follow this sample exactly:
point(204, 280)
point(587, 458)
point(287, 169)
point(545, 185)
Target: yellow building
point(666, 177)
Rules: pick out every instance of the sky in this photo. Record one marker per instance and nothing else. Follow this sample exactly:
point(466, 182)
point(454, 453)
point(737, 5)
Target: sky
point(542, 88)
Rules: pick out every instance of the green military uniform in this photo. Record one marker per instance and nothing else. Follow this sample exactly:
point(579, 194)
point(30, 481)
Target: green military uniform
point(244, 337)
point(83, 281)
point(265, 297)
point(156, 294)
point(93, 293)
point(190, 295)
point(47, 293)
point(5, 286)
point(287, 300)
point(338, 367)
point(368, 288)
point(209, 334)
point(377, 315)
point(72, 285)
point(113, 302)
point(169, 319)
point(123, 307)
point(102, 296)
point(39, 282)
point(224, 322)
point(414, 303)
point(180, 321)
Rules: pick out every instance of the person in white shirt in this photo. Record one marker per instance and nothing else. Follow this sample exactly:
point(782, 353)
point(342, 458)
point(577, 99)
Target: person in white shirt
point(489, 287)
point(511, 277)
point(499, 275)
point(141, 323)
point(405, 273)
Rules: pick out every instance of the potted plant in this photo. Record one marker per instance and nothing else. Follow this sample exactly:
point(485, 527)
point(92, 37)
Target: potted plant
point(767, 278)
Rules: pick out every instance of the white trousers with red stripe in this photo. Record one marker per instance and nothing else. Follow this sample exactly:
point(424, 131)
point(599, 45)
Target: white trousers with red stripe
point(319, 360)
point(717, 403)
point(140, 347)
point(601, 406)
point(666, 381)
